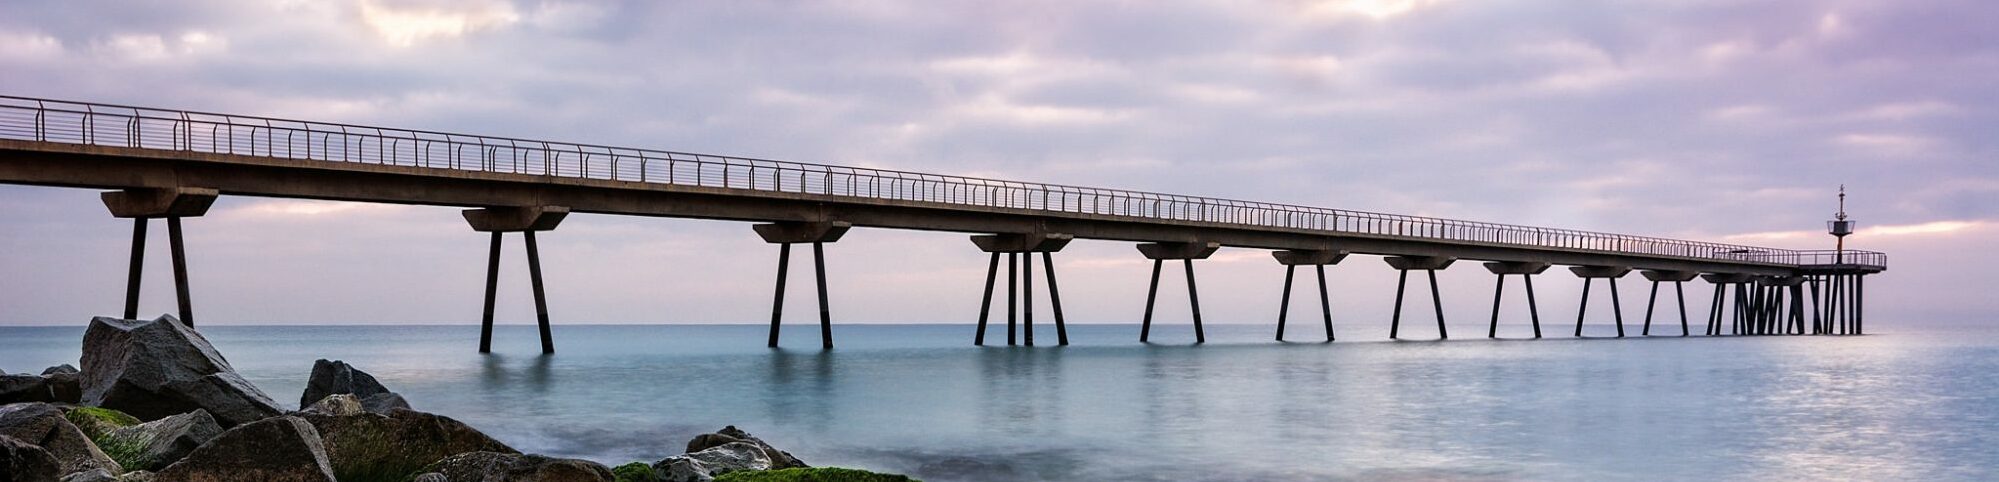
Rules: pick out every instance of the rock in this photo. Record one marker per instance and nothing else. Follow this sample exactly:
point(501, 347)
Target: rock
point(159, 368)
point(499, 467)
point(43, 425)
point(155, 445)
point(779, 459)
point(137, 476)
point(24, 462)
point(279, 449)
point(61, 369)
point(65, 383)
point(337, 377)
point(704, 465)
point(92, 475)
point(19, 388)
point(368, 446)
point(430, 477)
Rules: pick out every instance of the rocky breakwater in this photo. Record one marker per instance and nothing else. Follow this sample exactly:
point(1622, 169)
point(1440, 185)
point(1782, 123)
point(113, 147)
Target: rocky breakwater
point(155, 402)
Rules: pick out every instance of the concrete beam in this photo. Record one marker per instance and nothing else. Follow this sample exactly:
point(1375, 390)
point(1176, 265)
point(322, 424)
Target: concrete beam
point(1406, 263)
point(177, 202)
point(515, 219)
point(802, 232)
point(1600, 271)
point(1669, 275)
point(1510, 267)
point(1728, 278)
point(1022, 243)
point(1784, 281)
point(1169, 250)
point(1308, 257)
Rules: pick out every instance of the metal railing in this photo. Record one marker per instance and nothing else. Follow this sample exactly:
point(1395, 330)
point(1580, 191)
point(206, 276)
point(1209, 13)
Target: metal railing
point(48, 120)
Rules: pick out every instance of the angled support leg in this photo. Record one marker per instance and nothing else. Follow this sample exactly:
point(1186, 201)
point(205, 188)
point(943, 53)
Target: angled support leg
point(1054, 298)
point(1151, 295)
point(1650, 301)
point(1401, 285)
point(138, 268)
point(1680, 288)
point(1437, 300)
point(986, 302)
point(777, 300)
point(1533, 308)
point(1583, 310)
point(1325, 301)
point(1284, 301)
point(492, 292)
point(540, 296)
point(1617, 308)
point(825, 311)
point(1498, 288)
point(179, 251)
point(1194, 301)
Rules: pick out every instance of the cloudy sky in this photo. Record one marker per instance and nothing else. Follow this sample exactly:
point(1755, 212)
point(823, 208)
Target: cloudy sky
point(1719, 120)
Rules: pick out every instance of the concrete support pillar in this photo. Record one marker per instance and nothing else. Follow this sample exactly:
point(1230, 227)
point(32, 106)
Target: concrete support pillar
point(1589, 274)
point(1318, 259)
point(1678, 279)
point(784, 235)
point(1020, 250)
point(1186, 252)
point(1720, 305)
point(515, 219)
point(1526, 270)
point(172, 204)
point(1429, 265)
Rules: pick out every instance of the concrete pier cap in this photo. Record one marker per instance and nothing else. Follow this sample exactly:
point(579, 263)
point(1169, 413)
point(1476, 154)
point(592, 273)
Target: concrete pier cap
point(178, 202)
point(1784, 281)
point(1406, 263)
point(1600, 271)
point(515, 218)
point(1039, 242)
point(1728, 278)
point(1179, 250)
point(1309, 257)
point(802, 232)
point(1662, 275)
point(1516, 267)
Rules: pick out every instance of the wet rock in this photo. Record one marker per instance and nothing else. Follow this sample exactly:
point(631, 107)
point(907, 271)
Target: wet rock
point(43, 425)
point(137, 476)
point(93, 475)
point(24, 462)
point(366, 446)
point(61, 369)
point(159, 368)
point(779, 459)
point(337, 377)
point(280, 449)
point(430, 477)
point(155, 445)
point(499, 467)
point(705, 465)
point(19, 388)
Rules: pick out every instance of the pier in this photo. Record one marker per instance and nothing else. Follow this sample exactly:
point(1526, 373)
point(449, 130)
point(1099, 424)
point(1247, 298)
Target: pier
point(173, 164)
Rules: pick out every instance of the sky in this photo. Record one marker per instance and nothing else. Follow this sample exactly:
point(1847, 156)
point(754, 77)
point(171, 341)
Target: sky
point(1733, 121)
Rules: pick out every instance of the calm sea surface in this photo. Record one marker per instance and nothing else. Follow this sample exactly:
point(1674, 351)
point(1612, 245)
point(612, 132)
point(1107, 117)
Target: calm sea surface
point(1916, 404)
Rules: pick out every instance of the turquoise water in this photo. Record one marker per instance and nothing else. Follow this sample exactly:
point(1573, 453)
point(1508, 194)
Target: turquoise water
point(1910, 405)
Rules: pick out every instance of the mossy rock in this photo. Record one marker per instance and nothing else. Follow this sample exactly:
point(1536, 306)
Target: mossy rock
point(635, 472)
point(97, 422)
point(811, 474)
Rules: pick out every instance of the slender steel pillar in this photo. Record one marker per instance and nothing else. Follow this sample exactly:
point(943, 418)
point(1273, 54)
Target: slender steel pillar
point(492, 294)
point(1054, 298)
point(1151, 294)
point(1617, 307)
point(777, 300)
point(1012, 297)
point(1584, 309)
point(1401, 285)
point(179, 248)
point(1027, 298)
point(986, 302)
point(138, 268)
point(1194, 301)
point(1533, 308)
point(825, 311)
point(540, 298)
point(1680, 288)
point(1859, 302)
point(1498, 288)
point(1818, 308)
point(1325, 301)
point(1714, 311)
point(1284, 301)
point(1650, 301)
point(1437, 300)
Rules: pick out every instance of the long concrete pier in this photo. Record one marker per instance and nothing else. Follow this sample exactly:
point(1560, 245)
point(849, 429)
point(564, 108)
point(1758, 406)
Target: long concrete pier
point(171, 164)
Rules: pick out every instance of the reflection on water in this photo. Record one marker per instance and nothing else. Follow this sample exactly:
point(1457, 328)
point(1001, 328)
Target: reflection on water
point(920, 400)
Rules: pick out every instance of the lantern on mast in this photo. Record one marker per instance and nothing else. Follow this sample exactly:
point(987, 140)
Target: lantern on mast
point(1840, 227)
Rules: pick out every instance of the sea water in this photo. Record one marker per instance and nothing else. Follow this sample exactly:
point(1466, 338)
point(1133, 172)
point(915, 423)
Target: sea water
point(1908, 404)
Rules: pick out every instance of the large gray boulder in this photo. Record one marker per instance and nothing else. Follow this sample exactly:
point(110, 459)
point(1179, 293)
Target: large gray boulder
point(499, 467)
point(337, 377)
point(155, 445)
point(159, 368)
point(24, 462)
point(368, 446)
point(43, 425)
point(280, 449)
point(705, 465)
point(779, 459)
